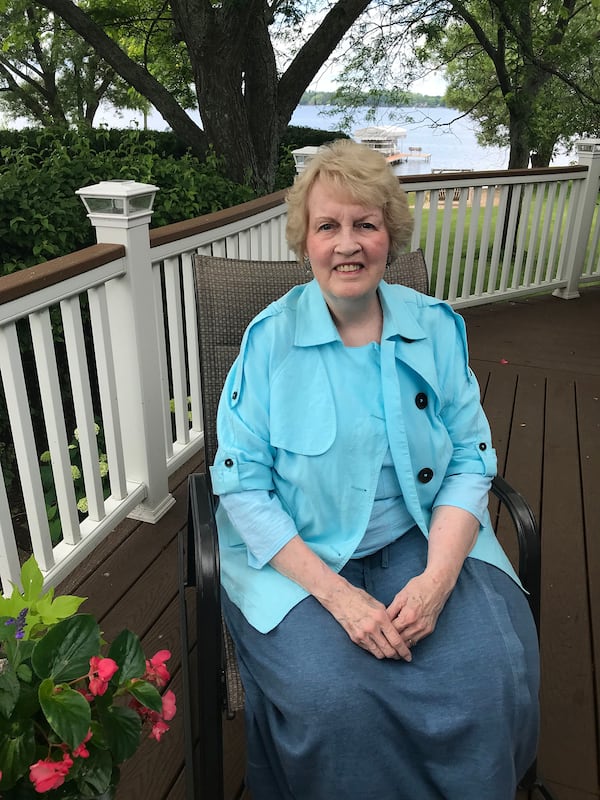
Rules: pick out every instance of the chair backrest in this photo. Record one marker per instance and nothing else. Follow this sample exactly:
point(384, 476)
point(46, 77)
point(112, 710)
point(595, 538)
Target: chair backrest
point(231, 292)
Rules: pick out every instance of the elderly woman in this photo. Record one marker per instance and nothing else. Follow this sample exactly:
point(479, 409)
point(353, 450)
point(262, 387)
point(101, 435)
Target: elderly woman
point(385, 644)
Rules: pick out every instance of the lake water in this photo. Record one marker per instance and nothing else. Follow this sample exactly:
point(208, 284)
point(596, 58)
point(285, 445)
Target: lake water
point(442, 132)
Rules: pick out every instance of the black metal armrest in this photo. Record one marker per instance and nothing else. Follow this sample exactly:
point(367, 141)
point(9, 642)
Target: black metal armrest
point(528, 539)
point(202, 568)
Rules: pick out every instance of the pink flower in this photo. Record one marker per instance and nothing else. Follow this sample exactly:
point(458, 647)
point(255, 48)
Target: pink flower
point(47, 775)
point(101, 671)
point(168, 705)
point(158, 722)
point(81, 750)
point(158, 728)
point(156, 672)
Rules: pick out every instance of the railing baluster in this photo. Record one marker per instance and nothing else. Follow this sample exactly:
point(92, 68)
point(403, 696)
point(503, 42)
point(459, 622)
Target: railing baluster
point(191, 335)
point(418, 217)
point(594, 247)
point(471, 242)
point(54, 418)
point(174, 313)
point(485, 241)
point(534, 227)
point(554, 258)
point(498, 240)
point(459, 232)
point(84, 409)
point(511, 231)
point(159, 315)
point(541, 274)
point(107, 382)
point(518, 277)
point(10, 565)
point(17, 403)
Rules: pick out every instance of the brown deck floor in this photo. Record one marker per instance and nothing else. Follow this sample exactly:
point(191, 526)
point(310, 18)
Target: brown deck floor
point(538, 363)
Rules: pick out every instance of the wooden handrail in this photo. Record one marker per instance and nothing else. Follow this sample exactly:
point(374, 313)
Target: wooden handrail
point(492, 176)
point(30, 280)
point(218, 219)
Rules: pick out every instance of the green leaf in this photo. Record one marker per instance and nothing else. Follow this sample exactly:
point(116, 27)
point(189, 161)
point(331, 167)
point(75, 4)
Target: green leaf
point(11, 606)
point(28, 704)
point(17, 752)
point(122, 731)
point(64, 652)
point(67, 711)
point(9, 690)
point(24, 673)
point(20, 653)
point(95, 773)
point(98, 735)
point(146, 694)
point(127, 651)
point(32, 580)
point(62, 607)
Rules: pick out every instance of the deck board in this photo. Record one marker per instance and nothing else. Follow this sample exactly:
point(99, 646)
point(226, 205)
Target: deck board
point(538, 364)
point(548, 351)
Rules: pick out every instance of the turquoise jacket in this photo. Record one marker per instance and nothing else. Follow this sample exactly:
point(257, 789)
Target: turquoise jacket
point(282, 427)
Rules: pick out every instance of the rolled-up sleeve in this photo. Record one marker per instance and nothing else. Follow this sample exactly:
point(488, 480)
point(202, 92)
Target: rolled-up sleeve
point(473, 463)
point(244, 458)
point(262, 524)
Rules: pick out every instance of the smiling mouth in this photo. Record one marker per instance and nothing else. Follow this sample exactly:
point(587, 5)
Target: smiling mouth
point(348, 267)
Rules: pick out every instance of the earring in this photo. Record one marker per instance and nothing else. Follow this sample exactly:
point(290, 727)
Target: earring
point(307, 265)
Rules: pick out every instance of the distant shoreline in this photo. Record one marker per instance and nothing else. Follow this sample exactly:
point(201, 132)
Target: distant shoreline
point(375, 100)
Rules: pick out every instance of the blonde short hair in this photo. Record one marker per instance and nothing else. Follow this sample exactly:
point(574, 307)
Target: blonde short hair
point(365, 176)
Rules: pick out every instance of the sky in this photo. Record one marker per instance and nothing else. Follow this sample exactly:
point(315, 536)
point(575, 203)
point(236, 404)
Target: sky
point(432, 84)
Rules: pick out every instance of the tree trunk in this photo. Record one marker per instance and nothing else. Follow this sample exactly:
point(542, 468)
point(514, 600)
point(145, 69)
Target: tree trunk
point(520, 110)
point(235, 73)
point(243, 103)
point(543, 155)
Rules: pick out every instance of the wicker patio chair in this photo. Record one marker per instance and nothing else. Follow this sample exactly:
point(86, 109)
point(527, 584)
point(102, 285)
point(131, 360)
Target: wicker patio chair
point(230, 292)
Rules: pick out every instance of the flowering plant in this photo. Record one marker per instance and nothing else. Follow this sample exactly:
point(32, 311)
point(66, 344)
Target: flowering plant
point(69, 715)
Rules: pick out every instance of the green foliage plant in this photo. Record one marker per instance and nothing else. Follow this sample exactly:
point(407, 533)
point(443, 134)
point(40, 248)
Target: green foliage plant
point(47, 477)
point(70, 715)
point(41, 217)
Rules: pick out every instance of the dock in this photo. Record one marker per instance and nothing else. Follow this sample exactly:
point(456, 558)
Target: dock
point(413, 153)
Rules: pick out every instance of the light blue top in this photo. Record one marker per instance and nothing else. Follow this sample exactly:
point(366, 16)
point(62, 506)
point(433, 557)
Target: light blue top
point(266, 527)
point(288, 426)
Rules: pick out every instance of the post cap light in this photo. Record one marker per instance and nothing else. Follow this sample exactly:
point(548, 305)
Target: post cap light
point(303, 155)
point(122, 198)
point(588, 146)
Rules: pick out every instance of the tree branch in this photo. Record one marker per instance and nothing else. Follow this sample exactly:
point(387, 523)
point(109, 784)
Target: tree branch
point(131, 72)
point(310, 57)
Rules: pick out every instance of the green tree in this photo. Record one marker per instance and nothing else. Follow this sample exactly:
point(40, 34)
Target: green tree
point(48, 74)
point(507, 59)
point(561, 101)
point(244, 101)
point(53, 77)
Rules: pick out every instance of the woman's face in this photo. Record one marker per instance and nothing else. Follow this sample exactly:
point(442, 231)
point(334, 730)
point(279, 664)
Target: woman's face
point(347, 244)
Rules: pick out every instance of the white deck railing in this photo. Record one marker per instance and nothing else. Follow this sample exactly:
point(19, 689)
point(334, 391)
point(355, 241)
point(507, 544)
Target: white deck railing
point(108, 336)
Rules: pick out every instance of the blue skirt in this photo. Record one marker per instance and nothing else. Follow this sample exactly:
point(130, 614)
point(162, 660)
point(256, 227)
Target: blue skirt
point(325, 719)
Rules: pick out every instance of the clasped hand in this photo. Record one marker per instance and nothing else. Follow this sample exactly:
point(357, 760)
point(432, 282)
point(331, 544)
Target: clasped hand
point(391, 632)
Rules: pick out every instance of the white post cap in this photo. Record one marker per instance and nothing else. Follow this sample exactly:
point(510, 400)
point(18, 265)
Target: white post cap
point(119, 198)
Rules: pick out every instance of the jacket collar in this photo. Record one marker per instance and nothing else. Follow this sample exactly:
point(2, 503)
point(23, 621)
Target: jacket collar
point(314, 325)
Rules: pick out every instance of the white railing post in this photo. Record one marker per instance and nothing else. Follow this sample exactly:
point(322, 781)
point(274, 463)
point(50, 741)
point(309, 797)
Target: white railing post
point(121, 211)
point(588, 152)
